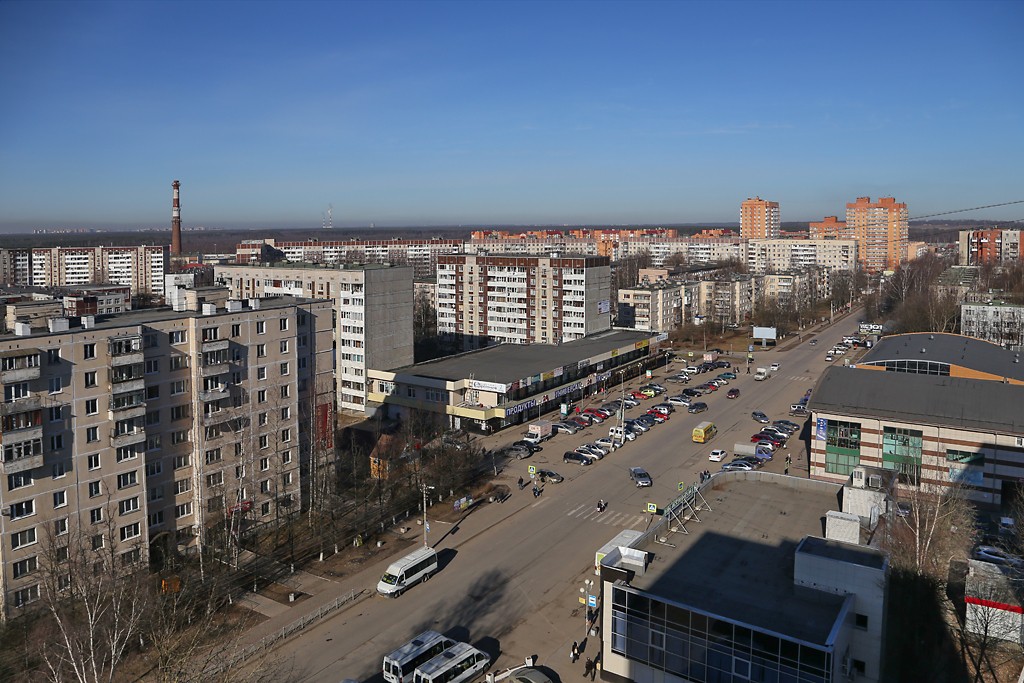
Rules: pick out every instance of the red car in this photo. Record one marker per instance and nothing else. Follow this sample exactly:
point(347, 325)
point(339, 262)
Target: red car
point(658, 416)
point(594, 415)
point(766, 437)
point(733, 393)
point(710, 387)
point(639, 395)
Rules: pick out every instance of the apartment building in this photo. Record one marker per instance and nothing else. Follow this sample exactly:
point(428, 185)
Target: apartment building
point(759, 219)
point(521, 300)
point(420, 254)
point(768, 256)
point(531, 244)
point(96, 300)
point(881, 230)
point(690, 250)
point(158, 428)
point(373, 304)
point(830, 228)
point(996, 321)
point(16, 267)
point(795, 289)
point(651, 307)
point(141, 268)
point(726, 301)
point(994, 245)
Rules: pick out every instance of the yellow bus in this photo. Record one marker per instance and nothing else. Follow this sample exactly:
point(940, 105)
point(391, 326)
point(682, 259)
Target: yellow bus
point(704, 432)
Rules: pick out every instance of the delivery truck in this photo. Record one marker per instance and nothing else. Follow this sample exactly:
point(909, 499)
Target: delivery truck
point(542, 430)
point(762, 374)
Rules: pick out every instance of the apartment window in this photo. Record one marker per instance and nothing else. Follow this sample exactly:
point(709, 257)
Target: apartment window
point(154, 468)
point(236, 330)
point(25, 508)
point(55, 386)
point(56, 442)
point(261, 327)
point(286, 391)
point(215, 479)
point(127, 479)
point(182, 486)
point(239, 471)
point(261, 350)
point(92, 461)
point(901, 451)
point(286, 412)
point(92, 406)
point(26, 595)
point(179, 362)
point(286, 478)
point(60, 499)
point(179, 412)
point(92, 434)
point(265, 509)
point(94, 489)
point(130, 531)
point(284, 346)
point(261, 396)
point(238, 450)
point(152, 392)
point(183, 460)
point(20, 539)
point(284, 369)
point(860, 621)
point(25, 567)
point(211, 334)
point(265, 486)
point(89, 351)
point(302, 363)
point(155, 493)
point(19, 480)
point(156, 518)
point(264, 464)
point(261, 373)
point(152, 418)
point(153, 366)
point(264, 441)
point(60, 469)
point(90, 379)
point(262, 419)
point(303, 340)
point(215, 504)
point(286, 457)
point(286, 435)
point(182, 510)
point(213, 455)
point(12, 392)
point(179, 437)
point(153, 442)
point(126, 453)
point(96, 515)
point(179, 336)
point(178, 387)
point(97, 542)
point(52, 356)
point(283, 324)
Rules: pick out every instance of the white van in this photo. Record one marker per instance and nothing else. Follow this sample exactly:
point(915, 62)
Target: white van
point(621, 434)
point(398, 666)
point(415, 567)
point(458, 664)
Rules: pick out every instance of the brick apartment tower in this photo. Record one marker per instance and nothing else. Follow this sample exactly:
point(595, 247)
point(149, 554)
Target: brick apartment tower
point(831, 228)
point(176, 220)
point(880, 229)
point(759, 219)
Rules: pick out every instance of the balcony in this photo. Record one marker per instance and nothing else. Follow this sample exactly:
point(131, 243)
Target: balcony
point(119, 440)
point(223, 415)
point(221, 392)
point(215, 345)
point(21, 405)
point(124, 412)
point(214, 368)
point(126, 385)
point(23, 434)
point(19, 368)
point(21, 464)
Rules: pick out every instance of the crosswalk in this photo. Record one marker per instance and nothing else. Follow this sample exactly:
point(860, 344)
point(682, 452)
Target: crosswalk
point(800, 378)
point(609, 517)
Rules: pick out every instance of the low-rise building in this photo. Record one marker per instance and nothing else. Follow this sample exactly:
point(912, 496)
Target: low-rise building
point(996, 321)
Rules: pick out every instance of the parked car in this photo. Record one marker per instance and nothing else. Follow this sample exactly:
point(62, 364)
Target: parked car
point(733, 393)
point(783, 436)
point(698, 407)
point(737, 466)
point(692, 392)
point(529, 445)
point(587, 452)
point(648, 392)
point(578, 458)
point(639, 476)
point(711, 386)
point(630, 402)
point(828, 358)
point(718, 455)
point(567, 427)
point(595, 416)
point(719, 381)
point(657, 416)
point(990, 553)
point(636, 425)
point(766, 445)
point(604, 412)
point(681, 377)
point(647, 420)
point(692, 370)
point(639, 396)
point(813, 342)
point(787, 424)
point(607, 444)
point(518, 452)
point(580, 421)
point(776, 440)
point(760, 417)
point(657, 387)
point(728, 375)
point(550, 476)
point(757, 462)
point(599, 451)
point(679, 400)
point(723, 364)
point(666, 408)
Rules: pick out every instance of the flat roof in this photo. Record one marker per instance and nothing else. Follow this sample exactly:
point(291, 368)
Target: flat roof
point(973, 404)
point(738, 561)
point(843, 552)
point(955, 349)
point(507, 363)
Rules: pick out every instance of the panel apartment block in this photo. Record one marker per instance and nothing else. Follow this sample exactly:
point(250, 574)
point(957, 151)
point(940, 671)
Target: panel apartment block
point(142, 267)
point(690, 249)
point(995, 245)
point(373, 305)
point(521, 300)
point(759, 219)
point(881, 230)
point(420, 254)
point(651, 307)
point(773, 256)
point(158, 427)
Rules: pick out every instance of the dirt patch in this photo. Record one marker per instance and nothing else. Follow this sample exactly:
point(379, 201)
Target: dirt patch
point(282, 594)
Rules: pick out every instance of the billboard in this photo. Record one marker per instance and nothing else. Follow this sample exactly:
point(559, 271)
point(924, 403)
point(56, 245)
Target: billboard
point(764, 333)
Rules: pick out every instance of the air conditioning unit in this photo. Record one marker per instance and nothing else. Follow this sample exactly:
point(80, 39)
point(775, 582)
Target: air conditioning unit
point(875, 481)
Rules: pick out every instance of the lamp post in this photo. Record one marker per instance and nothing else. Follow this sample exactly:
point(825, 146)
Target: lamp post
point(588, 585)
point(426, 527)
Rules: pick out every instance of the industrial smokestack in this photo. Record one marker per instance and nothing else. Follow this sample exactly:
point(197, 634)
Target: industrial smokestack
point(176, 220)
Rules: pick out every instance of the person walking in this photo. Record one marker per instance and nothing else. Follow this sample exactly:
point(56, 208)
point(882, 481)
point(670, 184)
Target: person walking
point(521, 484)
point(574, 654)
point(588, 668)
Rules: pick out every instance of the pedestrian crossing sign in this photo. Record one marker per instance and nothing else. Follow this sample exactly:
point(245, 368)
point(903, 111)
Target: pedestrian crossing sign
point(532, 469)
point(652, 507)
point(682, 486)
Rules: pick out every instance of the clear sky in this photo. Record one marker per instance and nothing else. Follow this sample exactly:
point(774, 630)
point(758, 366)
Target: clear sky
point(481, 113)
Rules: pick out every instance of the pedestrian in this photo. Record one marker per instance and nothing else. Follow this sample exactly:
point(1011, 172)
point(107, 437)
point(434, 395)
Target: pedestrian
point(786, 471)
point(588, 666)
point(521, 484)
point(574, 654)
point(536, 492)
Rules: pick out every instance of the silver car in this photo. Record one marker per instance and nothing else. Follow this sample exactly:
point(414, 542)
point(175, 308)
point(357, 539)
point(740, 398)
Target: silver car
point(640, 477)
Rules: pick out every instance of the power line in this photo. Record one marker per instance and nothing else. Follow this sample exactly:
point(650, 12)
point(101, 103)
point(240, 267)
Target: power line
point(975, 208)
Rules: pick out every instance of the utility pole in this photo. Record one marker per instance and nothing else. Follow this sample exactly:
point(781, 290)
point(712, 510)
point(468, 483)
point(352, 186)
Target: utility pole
point(426, 526)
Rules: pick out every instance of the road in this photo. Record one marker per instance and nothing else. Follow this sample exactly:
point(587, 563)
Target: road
point(522, 569)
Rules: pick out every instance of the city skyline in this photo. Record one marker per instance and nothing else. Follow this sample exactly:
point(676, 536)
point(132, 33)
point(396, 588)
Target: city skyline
point(424, 114)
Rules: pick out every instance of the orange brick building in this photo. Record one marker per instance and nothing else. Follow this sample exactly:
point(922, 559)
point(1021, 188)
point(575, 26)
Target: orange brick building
point(881, 230)
point(759, 219)
point(831, 228)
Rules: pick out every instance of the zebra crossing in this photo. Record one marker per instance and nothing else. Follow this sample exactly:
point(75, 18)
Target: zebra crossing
point(608, 517)
point(800, 378)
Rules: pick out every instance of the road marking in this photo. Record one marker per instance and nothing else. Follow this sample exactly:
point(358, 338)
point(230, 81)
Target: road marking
point(540, 501)
point(574, 510)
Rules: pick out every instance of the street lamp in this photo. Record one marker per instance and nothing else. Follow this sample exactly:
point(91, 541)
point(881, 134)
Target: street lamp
point(426, 526)
point(588, 585)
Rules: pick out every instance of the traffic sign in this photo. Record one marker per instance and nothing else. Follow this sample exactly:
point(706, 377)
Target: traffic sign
point(532, 469)
point(681, 486)
point(583, 600)
point(591, 600)
point(652, 507)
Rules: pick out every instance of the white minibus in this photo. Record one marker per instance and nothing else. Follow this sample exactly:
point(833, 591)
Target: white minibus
point(415, 567)
point(399, 665)
point(458, 664)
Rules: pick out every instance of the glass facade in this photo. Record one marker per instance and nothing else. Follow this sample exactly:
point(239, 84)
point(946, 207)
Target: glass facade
point(699, 647)
point(901, 451)
point(842, 446)
point(917, 367)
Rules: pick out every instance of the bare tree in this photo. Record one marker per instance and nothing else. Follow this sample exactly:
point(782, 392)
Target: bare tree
point(938, 526)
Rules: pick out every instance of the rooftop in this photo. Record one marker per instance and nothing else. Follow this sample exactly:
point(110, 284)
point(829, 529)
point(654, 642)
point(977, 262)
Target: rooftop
point(507, 363)
point(843, 552)
point(738, 561)
point(957, 350)
point(922, 399)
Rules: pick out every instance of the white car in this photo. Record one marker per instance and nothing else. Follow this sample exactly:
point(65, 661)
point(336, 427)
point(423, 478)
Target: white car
point(679, 400)
point(607, 444)
point(718, 455)
point(775, 367)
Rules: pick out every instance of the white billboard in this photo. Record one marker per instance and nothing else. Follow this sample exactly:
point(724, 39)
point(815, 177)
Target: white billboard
point(764, 333)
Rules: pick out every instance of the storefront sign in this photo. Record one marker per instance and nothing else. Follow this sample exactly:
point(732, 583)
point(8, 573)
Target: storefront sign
point(516, 409)
point(487, 386)
point(569, 389)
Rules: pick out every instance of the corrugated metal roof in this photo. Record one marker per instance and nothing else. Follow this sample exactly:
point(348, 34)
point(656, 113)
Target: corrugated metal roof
point(955, 349)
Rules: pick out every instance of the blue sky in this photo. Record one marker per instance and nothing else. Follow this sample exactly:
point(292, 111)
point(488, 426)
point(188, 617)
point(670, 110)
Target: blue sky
point(482, 113)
